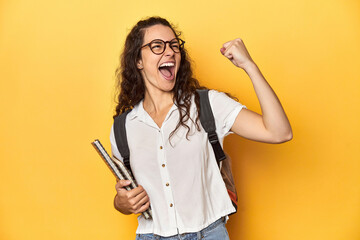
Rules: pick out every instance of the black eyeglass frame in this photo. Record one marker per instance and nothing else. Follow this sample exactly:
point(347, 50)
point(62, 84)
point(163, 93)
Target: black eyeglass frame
point(181, 44)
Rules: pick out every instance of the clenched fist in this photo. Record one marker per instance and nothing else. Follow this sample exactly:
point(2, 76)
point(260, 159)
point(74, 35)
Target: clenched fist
point(237, 53)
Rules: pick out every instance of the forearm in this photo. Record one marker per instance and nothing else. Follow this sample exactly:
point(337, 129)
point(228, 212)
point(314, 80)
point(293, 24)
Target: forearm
point(273, 114)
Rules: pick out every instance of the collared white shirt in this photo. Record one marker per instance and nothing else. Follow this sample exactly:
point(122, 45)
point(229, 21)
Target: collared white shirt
point(180, 176)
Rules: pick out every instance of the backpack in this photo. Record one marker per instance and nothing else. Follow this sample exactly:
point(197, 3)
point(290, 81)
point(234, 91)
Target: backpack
point(208, 123)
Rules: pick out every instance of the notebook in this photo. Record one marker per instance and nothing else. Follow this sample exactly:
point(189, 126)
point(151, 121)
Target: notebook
point(119, 170)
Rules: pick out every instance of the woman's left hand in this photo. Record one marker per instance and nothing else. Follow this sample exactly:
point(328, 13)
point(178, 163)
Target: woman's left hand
point(237, 53)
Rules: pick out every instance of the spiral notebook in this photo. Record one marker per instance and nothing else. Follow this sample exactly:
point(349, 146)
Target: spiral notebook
point(119, 170)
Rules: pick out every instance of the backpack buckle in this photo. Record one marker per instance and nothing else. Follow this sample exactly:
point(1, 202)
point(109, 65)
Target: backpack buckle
point(213, 138)
point(218, 151)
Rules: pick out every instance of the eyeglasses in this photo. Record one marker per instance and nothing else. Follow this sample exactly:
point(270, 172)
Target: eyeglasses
point(158, 46)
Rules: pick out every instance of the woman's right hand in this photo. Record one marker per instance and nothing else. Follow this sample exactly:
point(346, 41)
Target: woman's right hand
point(134, 201)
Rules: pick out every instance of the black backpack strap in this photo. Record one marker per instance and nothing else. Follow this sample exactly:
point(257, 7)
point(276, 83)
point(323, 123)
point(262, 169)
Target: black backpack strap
point(121, 139)
point(208, 122)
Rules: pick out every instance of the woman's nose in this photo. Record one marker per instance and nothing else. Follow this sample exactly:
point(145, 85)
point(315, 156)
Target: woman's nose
point(168, 50)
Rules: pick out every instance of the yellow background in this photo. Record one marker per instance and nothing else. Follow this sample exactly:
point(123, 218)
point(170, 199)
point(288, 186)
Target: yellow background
point(57, 63)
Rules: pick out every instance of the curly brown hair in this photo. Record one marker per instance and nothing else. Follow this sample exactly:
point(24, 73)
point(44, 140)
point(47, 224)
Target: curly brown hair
point(131, 87)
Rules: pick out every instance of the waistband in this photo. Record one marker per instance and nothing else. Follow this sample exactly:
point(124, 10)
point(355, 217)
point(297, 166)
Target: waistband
point(213, 225)
point(186, 235)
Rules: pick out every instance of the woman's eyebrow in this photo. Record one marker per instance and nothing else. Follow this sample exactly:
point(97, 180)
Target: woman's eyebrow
point(157, 40)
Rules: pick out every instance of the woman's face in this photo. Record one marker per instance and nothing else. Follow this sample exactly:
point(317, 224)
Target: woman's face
point(159, 71)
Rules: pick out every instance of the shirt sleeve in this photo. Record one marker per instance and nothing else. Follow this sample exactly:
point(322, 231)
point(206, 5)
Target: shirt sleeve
point(114, 150)
point(225, 110)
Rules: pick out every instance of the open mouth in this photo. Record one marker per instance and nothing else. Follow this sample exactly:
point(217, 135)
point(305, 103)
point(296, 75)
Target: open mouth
point(167, 70)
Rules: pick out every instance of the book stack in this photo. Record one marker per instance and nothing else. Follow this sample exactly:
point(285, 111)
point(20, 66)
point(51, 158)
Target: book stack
point(119, 170)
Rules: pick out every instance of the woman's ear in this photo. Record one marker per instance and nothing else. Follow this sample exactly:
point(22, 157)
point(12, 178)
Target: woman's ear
point(139, 65)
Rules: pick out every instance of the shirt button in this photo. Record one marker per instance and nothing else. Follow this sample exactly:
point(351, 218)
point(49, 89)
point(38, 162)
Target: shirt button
point(163, 165)
point(167, 184)
point(161, 147)
point(171, 204)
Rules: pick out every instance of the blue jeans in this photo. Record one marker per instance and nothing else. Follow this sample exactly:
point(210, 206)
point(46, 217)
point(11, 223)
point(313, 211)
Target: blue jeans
point(215, 231)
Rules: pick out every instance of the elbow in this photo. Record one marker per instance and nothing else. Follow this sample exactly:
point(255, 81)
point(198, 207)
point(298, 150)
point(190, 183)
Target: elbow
point(288, 137)
point(284, 137)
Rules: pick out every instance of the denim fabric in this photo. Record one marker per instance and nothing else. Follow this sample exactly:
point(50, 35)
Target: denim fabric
point(215, 231)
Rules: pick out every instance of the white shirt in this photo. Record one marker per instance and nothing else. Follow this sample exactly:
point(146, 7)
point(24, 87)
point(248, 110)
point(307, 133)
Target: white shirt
point(181, 177)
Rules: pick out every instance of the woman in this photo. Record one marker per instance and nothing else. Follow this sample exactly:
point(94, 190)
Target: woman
point(171, 157)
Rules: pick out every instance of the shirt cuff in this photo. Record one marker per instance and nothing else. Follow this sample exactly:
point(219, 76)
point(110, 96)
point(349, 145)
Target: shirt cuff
point(231, 119)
